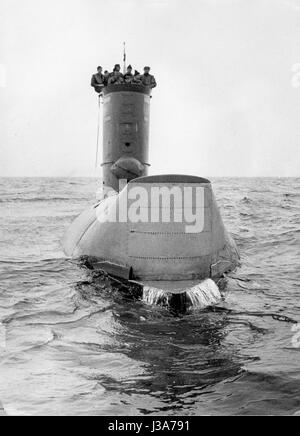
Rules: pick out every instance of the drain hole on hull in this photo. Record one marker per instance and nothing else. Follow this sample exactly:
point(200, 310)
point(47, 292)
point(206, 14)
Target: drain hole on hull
point(127, 144)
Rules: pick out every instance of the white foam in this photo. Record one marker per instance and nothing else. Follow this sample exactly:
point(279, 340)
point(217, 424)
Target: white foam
point(154, 296)
point(205, 294)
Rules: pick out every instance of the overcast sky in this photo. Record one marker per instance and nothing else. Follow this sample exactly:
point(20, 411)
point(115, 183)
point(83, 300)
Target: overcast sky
point(224, 105)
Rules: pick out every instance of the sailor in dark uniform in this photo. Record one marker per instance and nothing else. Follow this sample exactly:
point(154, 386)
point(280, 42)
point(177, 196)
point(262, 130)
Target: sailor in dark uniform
point(128, 77)
point(97, 81)
point(106, 77)
point(147, 79)
point(137, 78)
point(116, 77)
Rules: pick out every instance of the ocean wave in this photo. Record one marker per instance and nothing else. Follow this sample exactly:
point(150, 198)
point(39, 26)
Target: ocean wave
point(38, 199)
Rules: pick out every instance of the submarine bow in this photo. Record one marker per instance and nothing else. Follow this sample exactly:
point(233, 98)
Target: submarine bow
point(156, 251)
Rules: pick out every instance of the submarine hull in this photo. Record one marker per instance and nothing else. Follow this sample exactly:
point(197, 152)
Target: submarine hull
point(155, 243)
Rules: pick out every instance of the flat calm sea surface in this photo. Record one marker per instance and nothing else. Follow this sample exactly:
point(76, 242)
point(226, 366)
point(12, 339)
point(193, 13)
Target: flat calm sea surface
point(70, 343)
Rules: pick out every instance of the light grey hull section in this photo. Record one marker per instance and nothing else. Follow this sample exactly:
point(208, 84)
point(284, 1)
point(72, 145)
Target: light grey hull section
point(155, 251)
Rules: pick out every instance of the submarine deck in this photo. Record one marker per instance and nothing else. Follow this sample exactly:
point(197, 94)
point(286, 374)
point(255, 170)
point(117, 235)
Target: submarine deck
point(170, 178)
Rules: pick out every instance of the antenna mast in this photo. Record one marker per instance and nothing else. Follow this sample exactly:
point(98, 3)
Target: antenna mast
point(124, 58)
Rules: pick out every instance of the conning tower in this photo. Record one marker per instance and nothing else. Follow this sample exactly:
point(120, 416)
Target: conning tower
point(126, 117)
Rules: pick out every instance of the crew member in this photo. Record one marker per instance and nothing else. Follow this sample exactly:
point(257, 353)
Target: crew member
point(128, 77)
point(106, 77)
point(147, 79)
point(137, 78)
point(97, 81)
point(116, 77)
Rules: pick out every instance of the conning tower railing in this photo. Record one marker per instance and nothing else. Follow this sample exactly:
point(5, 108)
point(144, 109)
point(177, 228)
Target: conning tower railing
point(126, 87)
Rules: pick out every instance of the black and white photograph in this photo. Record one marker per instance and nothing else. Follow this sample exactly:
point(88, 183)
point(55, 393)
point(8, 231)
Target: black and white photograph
point(149, 211)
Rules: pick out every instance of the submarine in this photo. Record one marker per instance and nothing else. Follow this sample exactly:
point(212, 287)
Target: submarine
point(161, 233)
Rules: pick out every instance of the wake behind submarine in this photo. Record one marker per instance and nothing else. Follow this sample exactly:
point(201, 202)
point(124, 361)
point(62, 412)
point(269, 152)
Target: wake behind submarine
point(162, 233)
